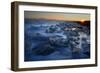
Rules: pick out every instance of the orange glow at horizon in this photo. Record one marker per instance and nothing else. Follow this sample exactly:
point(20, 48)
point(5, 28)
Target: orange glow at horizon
point(82, 21)
point(57, 16)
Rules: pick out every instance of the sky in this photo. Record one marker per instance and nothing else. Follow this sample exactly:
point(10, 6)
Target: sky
point(57, 16)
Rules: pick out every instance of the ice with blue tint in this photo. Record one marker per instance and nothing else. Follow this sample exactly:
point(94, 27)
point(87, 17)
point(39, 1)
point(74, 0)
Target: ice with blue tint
point(55, 40)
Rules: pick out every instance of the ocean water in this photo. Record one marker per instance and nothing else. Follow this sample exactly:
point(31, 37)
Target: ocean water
point(55, 40)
